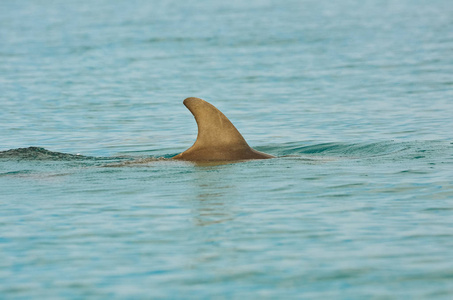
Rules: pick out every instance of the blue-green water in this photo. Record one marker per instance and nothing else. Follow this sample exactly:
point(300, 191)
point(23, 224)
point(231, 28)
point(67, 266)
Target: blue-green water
point(355, 98)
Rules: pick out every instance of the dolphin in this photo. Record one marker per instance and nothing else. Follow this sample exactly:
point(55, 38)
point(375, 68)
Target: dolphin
point(218, 139)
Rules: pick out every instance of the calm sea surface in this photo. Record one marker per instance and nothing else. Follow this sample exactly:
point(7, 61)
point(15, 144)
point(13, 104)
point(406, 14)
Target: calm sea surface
point(355, 98)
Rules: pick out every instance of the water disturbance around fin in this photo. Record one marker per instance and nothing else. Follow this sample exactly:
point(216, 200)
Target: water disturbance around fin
point(218, 139)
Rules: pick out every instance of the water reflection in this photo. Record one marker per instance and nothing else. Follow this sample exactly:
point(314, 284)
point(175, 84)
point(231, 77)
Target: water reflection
point(213, 194)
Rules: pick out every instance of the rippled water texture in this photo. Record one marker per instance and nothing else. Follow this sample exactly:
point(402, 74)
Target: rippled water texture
point(355, 98)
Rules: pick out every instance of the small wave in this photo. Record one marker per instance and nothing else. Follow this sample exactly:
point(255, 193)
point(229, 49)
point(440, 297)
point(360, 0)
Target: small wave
point(38, 153)
point(16, 173)
point(414, 149)
point(411, 150)
point(336, 149)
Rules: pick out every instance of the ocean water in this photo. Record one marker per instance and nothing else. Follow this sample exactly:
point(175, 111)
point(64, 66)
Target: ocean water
point(354, 98)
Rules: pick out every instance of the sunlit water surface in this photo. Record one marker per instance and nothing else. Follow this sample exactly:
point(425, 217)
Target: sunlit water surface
point(355, 98)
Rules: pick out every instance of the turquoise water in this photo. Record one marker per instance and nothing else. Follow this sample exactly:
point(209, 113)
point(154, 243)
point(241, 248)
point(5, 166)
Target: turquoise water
point(354, 98)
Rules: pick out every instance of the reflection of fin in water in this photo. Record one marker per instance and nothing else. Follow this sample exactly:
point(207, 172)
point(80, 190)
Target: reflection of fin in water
point(218, 139)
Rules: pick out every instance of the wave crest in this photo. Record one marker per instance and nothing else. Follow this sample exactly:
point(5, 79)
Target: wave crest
point(38, 153)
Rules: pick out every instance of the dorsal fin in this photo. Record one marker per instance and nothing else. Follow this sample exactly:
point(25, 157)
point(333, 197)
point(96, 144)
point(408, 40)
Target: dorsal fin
point(217, 138)
point(213, 127)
